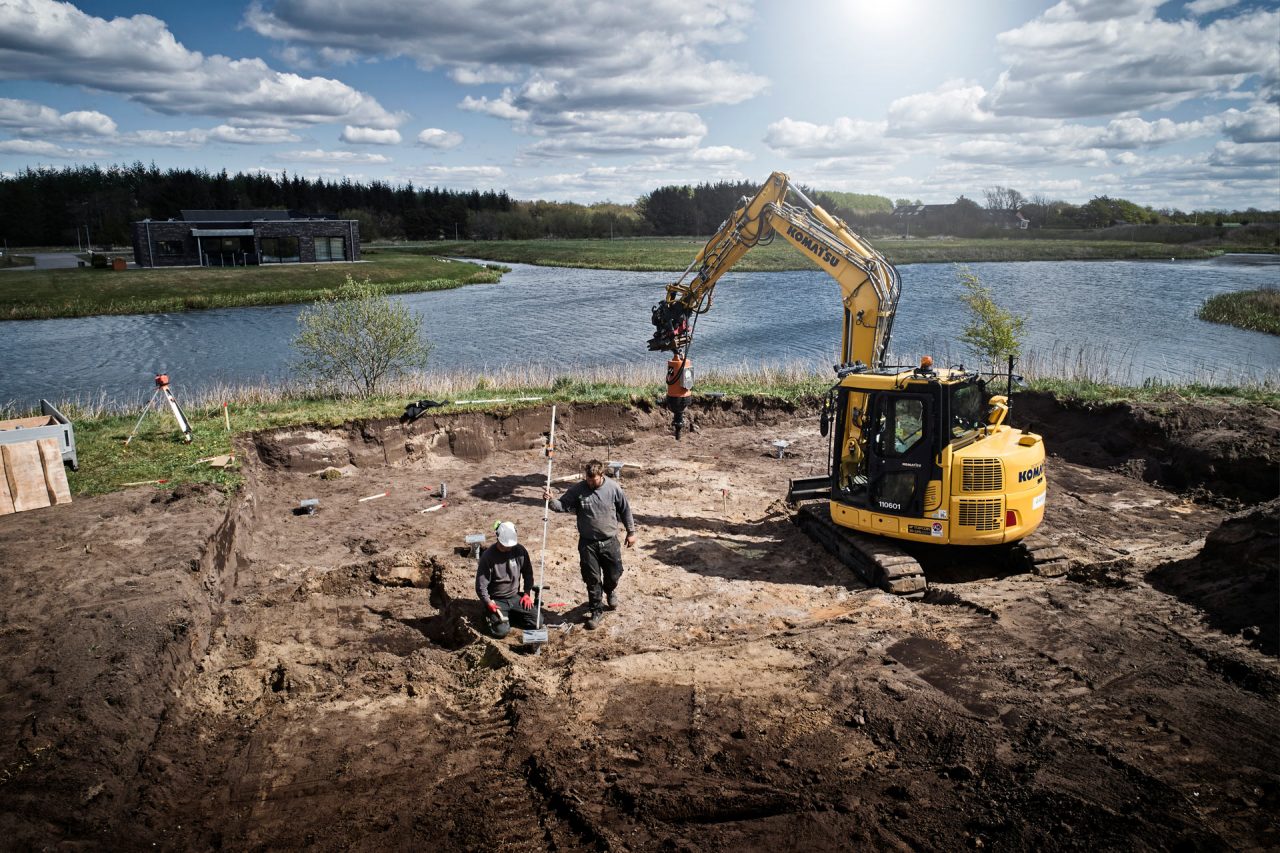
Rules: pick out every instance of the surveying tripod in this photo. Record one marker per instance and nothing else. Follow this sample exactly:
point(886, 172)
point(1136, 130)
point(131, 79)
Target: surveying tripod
point(162, 390)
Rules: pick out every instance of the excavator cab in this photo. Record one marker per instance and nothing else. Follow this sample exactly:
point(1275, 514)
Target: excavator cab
point(894, 435)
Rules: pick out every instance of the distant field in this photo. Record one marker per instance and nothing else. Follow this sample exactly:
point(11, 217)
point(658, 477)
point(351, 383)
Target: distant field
point(38, 294)
point(657, 254)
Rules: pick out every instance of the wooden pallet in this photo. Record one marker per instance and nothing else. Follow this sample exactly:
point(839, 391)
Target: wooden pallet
point(32, 476)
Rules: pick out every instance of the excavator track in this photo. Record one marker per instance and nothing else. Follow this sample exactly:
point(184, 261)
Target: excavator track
point(1039, 556)
point(876, 560)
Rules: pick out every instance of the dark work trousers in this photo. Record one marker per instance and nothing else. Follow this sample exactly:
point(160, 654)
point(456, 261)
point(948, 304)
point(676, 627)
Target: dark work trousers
point(601, 568)
point(510, 607)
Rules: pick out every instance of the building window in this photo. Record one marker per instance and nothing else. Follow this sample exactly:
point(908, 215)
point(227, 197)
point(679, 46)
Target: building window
point(169, 248)
point(331, 248)
point(280, 250)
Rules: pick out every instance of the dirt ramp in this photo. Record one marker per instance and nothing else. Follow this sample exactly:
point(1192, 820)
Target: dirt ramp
point(1232, 451)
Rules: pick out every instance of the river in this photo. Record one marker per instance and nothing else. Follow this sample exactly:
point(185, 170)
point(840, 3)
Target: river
point(1127, 320)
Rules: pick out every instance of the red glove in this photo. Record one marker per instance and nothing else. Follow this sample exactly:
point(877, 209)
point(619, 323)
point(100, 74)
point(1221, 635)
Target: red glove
point(526, 601)
point(493, 607)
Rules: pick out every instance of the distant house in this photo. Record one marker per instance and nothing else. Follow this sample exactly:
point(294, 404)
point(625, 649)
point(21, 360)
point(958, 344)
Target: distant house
point(226, 238)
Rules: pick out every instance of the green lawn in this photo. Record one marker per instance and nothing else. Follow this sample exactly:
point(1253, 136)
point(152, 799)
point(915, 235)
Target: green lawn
point(32, 294)
point(673, 254)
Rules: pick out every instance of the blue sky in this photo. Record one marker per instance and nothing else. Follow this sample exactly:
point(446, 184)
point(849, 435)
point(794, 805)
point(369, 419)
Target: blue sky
point(1169, 104)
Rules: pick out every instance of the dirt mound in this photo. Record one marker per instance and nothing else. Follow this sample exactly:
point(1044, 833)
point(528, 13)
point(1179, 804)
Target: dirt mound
point(1235, 577)
point(1232, 451)
point(192, 671)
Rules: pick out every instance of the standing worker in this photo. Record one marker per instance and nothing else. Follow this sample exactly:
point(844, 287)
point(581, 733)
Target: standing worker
point(504, 582)
point(599, 504)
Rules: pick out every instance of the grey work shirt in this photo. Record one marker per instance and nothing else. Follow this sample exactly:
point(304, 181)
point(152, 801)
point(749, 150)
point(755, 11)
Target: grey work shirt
point(598, 510)
point(499, 573)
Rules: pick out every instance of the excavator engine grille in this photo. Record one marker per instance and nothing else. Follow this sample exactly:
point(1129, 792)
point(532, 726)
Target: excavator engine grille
point(981, 475)
point(981, 514)
point(933, 494)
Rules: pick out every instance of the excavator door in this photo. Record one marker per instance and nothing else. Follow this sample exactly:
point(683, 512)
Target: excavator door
point(900, 451)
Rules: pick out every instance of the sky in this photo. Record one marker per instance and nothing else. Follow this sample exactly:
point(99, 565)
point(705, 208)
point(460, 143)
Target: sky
point(1168, 104)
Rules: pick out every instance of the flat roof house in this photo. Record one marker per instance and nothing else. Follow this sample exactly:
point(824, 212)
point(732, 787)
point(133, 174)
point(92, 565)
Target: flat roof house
point(226, 238)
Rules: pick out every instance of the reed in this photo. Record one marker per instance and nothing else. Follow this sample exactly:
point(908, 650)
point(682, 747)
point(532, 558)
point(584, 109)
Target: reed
point(1256, 310)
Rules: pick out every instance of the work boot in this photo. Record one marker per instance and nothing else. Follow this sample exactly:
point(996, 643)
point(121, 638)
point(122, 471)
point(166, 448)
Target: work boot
point(612, 598)
point(593, 621)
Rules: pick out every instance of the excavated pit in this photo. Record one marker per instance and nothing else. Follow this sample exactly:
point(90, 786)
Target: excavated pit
point(198, 671)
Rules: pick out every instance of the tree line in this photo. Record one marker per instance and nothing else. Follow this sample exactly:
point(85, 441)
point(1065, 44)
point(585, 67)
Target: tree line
point(46, 207)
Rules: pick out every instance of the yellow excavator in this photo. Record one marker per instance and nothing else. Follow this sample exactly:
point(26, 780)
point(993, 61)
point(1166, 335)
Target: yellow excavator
point(918, 453)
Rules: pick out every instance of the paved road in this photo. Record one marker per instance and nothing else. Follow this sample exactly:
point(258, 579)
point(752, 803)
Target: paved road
point(56, 260)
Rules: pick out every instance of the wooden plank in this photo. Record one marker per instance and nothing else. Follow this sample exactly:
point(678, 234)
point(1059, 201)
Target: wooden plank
point(6, 499)
point(27, 423)
point(55, 475)
point(26, 475)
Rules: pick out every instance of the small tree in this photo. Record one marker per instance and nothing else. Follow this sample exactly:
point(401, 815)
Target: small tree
point(356, 337)
point(992, 333)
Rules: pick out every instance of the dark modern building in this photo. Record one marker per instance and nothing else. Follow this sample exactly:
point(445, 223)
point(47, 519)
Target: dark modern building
point(226, 238)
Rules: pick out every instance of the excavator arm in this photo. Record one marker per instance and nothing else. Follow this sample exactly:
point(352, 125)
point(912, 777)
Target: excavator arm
point(869, 284)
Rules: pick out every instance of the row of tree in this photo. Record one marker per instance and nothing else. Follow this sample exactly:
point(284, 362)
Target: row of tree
point(40, 207)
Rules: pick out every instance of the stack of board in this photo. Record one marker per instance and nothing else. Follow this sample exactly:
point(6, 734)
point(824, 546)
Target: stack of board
point(32, 476)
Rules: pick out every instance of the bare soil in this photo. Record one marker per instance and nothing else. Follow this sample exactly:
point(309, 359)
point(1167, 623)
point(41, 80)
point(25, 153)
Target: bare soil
point(191, 670)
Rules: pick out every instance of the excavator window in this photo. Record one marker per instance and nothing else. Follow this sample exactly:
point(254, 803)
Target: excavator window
point(899, 426)
point(968, 408)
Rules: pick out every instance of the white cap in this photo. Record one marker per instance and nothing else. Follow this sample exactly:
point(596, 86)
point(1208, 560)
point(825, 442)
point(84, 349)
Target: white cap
point(507, 534)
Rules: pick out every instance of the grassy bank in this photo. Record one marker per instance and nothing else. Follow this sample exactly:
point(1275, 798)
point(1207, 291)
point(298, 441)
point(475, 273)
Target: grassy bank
point(657, 254)
point(40, 294)
point(1257, 310)
point(106, 465)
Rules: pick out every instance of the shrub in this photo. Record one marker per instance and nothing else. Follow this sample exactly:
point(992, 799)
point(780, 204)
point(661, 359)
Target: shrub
point(992, 333)
point(355, 338)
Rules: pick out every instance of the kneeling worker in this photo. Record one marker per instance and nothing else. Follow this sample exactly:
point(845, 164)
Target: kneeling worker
point(504, 582)
point(599, 504)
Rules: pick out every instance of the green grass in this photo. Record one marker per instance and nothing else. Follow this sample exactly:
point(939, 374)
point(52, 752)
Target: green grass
point(7, 261)
point(673, 254)
point(1256, 310)
point(26, 295)
point(157, 452)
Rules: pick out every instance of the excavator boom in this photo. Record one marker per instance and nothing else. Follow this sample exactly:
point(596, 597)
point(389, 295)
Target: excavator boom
point(869, 284)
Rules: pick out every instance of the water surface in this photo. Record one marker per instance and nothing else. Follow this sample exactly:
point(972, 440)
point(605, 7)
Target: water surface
point(1135, 319)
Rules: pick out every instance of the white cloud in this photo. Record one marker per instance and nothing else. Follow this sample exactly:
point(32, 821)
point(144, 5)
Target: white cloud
point(442, 140)
point(458, 177)
point(844, 136)
point(564, 58)
point(370, 136)
point(720, 154)
point(1102, 58)
point(42, 148)
point(956, 106)
point(1206, 7)
point(317, 155)
point(139, 58)
point(1260, 123)
point(27, 118)
point(197, 137)
point(503, 107)
point(616, 132)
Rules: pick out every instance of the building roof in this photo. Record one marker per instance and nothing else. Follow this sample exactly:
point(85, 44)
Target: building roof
point(233, 215)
